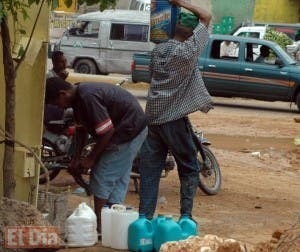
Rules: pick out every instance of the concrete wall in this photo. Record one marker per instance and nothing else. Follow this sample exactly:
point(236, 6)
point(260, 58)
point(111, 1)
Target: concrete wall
point(30, 85)
point(280, 11)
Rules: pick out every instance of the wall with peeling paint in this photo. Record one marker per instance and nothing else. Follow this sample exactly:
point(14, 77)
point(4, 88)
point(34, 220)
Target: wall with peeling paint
point(280, 11)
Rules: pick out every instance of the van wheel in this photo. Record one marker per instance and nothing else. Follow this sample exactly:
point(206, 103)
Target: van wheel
point(85, 66)
point(298, 100)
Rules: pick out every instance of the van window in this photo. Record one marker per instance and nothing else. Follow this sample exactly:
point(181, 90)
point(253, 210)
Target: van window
point(87, 29)
point(140, 5)
point(129, 32)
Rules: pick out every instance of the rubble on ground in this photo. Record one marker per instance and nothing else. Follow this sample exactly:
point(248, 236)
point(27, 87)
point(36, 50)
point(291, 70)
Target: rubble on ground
point(208, 243)
point(18, 213)
point(282, 241)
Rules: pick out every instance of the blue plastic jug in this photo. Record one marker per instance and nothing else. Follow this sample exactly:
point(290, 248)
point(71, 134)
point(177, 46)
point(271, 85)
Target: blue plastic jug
point(156, 221)
point(140, 235)
point(188, 226)
point(163, 19)
point(167, 230)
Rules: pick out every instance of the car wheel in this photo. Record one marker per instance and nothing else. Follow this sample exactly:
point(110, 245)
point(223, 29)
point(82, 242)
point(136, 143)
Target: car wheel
point(85, 66)
point(298, 100)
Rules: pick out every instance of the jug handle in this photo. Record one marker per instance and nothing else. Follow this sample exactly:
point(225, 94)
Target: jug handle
point(118, 207)
point(149, 227)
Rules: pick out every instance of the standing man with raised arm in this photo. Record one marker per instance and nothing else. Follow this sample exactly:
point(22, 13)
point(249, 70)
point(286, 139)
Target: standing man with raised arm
point(176, 90)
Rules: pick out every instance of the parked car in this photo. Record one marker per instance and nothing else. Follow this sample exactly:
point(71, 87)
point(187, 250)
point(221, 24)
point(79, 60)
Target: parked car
point(240, 74)
point(104, 42)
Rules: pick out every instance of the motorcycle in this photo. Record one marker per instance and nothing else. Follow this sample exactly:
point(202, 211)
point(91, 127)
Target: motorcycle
point(58, 148)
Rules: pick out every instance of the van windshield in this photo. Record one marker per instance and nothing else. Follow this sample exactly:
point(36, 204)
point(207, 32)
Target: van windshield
point(85, 29)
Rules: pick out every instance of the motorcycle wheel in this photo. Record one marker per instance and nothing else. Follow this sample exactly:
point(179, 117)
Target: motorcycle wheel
point(210, 174)
point(47, 151)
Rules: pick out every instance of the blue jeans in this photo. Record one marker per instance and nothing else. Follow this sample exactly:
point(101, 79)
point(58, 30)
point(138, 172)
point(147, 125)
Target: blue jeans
point(176, 136)
point(111, 175)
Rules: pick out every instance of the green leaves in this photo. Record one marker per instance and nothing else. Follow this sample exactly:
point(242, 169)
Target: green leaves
point(103, 4)
point(278, 37)
point(22, 31)
point(21, 52)
point(68, 3)
point(54, 4)
point(106, 4)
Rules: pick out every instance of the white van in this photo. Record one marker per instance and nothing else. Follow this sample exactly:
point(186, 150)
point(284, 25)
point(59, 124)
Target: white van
point(142, 5)
point(104, 42)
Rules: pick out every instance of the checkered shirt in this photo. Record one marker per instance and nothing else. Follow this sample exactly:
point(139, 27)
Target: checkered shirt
point(177, 88)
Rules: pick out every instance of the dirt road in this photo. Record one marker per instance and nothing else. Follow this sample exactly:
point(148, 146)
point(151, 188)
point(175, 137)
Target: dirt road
point(260, 193)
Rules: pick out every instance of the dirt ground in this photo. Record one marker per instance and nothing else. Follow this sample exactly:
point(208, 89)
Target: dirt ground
point(260, 193)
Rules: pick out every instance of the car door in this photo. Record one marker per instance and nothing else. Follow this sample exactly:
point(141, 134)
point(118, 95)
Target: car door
point(221, 72)
point(264, 78)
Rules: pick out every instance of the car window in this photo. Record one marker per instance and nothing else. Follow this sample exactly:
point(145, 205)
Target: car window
point(129, 32)
point(261, 54)
point(85, 29)
point(225, 49)
point(249, 34)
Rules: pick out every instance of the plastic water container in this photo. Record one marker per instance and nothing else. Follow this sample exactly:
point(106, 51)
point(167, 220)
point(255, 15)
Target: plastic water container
point(121, 218)
point(155, 222)
point(81, 227)
point(140, 235)
point(106, 226)
point(163, 20)
point(167, 230)
point(188, 226)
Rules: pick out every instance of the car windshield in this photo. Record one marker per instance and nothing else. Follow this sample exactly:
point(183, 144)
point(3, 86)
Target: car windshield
point(286, 56)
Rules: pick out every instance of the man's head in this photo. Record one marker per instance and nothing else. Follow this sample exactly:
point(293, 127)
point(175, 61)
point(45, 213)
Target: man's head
point(59, 61)
point(185, 25)
point(59, 92)
point(264, 51)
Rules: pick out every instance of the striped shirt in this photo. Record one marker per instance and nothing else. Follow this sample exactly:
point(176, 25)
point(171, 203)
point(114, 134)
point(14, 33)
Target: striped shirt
point(177, 88)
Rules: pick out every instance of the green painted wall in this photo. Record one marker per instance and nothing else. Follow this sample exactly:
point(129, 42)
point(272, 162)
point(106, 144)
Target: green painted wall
point(30, 85)
point(241, 10)
point(280, 11)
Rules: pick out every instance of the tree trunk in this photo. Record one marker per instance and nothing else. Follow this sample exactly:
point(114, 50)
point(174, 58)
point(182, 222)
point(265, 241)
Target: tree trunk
point(9, 182)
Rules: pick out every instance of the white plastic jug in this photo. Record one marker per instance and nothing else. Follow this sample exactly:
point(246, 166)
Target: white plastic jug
point(81, 227)
point(121, 218)
point(106, 226)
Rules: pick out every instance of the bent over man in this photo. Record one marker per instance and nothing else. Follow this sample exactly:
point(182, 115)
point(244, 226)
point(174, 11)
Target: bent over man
point(176, 90)
point(117, 123)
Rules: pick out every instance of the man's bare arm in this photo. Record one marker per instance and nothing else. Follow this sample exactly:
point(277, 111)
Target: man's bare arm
point(201, 13)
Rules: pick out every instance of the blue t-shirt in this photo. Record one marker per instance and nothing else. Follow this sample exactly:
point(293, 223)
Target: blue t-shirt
point(100, 107)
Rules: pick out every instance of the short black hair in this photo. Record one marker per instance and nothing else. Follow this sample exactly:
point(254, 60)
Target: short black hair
point(53, 86)
point(56, 54)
